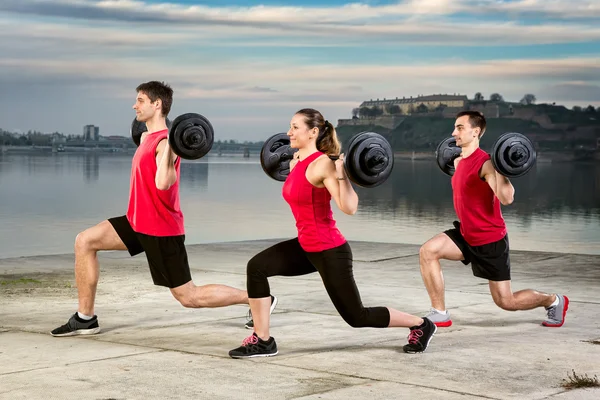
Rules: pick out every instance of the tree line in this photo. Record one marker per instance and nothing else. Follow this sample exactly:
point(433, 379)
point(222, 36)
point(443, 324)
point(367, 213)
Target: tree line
point(35, 138)
point(394, 109)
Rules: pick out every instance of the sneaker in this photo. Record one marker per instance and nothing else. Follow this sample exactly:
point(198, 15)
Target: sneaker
point(253, 346)
point(556, 314)
point(440, 320)
point(77, 326)
point(419, 337)
point(250, 323)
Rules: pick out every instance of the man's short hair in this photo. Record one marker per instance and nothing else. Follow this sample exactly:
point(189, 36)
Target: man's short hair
point(476, 120)
point(158, 90)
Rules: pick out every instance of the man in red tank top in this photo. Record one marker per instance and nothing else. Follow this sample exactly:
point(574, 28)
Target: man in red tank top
point(479, 236)
point(153, 224)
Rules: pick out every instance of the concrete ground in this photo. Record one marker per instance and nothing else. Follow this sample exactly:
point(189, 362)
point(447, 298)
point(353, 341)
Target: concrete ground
point(153, 348)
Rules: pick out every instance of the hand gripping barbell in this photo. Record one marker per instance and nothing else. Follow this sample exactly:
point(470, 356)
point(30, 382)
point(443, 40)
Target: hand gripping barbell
point(512, 155)
point(368, 162)
point(191, 135)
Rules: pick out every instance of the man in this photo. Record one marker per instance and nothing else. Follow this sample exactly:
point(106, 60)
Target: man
point(480, 238)
point(153, 224)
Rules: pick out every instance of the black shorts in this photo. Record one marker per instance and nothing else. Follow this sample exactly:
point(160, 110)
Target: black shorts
point(167, 257)
point(489, 261)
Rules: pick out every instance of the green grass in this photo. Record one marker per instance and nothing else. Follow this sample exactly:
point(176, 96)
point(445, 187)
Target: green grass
point(19, 281)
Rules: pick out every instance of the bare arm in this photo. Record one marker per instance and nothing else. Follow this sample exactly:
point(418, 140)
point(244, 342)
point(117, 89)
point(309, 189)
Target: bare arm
point(338, 184)
point(500, 184)
point(166, 175)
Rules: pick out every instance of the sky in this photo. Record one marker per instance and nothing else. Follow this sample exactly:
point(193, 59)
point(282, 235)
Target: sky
point(249, 65)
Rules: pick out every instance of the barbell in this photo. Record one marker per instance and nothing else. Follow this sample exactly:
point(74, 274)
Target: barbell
point(512, 155)
point(191, 135)
point(368, 162)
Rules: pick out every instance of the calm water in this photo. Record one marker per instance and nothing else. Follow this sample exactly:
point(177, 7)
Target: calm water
point(46, 199)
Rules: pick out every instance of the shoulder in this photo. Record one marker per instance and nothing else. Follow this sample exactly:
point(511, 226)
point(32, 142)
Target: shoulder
point(323, 162)
point(483, 155)
point(486, 169)
point(160, 146)
point(322, 167)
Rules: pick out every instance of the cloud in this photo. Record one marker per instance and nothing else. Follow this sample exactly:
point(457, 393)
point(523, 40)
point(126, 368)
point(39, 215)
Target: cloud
point(84, 57)
point(350, 12)
point(555, 8)
point(111, 36)
point(414, 22)
point(245, 78)
point(258, 89)
point(572, 91)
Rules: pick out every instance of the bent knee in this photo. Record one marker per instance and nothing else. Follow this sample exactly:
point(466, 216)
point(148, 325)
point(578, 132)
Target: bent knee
point(184, 298)
point(255, 266)
point(355, 323)
point(356, 320)
point(84, 241)
point(186, 301)
point(506, 304)
point(429, 252)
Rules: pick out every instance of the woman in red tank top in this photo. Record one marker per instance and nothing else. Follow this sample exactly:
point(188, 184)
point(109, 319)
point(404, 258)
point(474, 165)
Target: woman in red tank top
point(320, 247)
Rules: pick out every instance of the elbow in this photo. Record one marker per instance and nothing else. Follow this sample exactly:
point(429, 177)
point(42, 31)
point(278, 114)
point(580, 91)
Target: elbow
point(164, 183)
point(507, 200)
point(161, 185)
point(351, 211)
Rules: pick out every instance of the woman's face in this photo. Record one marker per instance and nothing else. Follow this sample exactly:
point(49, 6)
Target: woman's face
point(300, 134)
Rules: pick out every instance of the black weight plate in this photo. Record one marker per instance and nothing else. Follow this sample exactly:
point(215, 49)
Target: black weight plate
point(513, 155)
point(191, 136)
point(275, 156)
point(445, 154)
point(370, 160)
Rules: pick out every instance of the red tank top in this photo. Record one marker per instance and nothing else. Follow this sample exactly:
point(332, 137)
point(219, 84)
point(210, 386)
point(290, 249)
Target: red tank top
point(311, 207)
point(476, 205)
point(151, 211)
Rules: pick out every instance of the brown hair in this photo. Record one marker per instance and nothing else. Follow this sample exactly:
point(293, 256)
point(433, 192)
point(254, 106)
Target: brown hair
point(327, 141)
point(476, 120)
point(158, 90)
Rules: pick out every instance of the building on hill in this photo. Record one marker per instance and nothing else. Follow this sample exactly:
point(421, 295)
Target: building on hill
point(408, 105)
point(390, 113)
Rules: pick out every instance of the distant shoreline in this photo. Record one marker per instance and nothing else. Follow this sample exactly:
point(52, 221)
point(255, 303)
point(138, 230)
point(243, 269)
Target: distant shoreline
point(542, 157)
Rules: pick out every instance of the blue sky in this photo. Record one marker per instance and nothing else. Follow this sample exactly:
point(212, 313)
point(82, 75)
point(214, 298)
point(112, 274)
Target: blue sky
point(249, 65)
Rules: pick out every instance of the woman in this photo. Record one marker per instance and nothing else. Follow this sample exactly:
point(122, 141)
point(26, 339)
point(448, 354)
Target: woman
point(320, 247)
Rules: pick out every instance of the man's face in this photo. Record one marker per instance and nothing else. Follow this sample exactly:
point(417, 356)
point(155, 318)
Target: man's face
point(464, 133)
point(144, 108)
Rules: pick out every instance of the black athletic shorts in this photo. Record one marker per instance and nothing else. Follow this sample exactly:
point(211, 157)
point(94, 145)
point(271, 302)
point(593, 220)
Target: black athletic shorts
point(167, 257)
point(489, 261)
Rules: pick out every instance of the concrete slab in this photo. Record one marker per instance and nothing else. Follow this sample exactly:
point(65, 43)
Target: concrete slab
point(170, 375)
point(29, 351)
point(386, 391)
point(500, 367)
point(578, 394)
point(152, 347)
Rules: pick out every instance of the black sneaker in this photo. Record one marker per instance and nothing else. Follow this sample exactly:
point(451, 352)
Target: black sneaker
point(419, 337)
point(253, 346)
point(250, 323)
point(77, 326)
